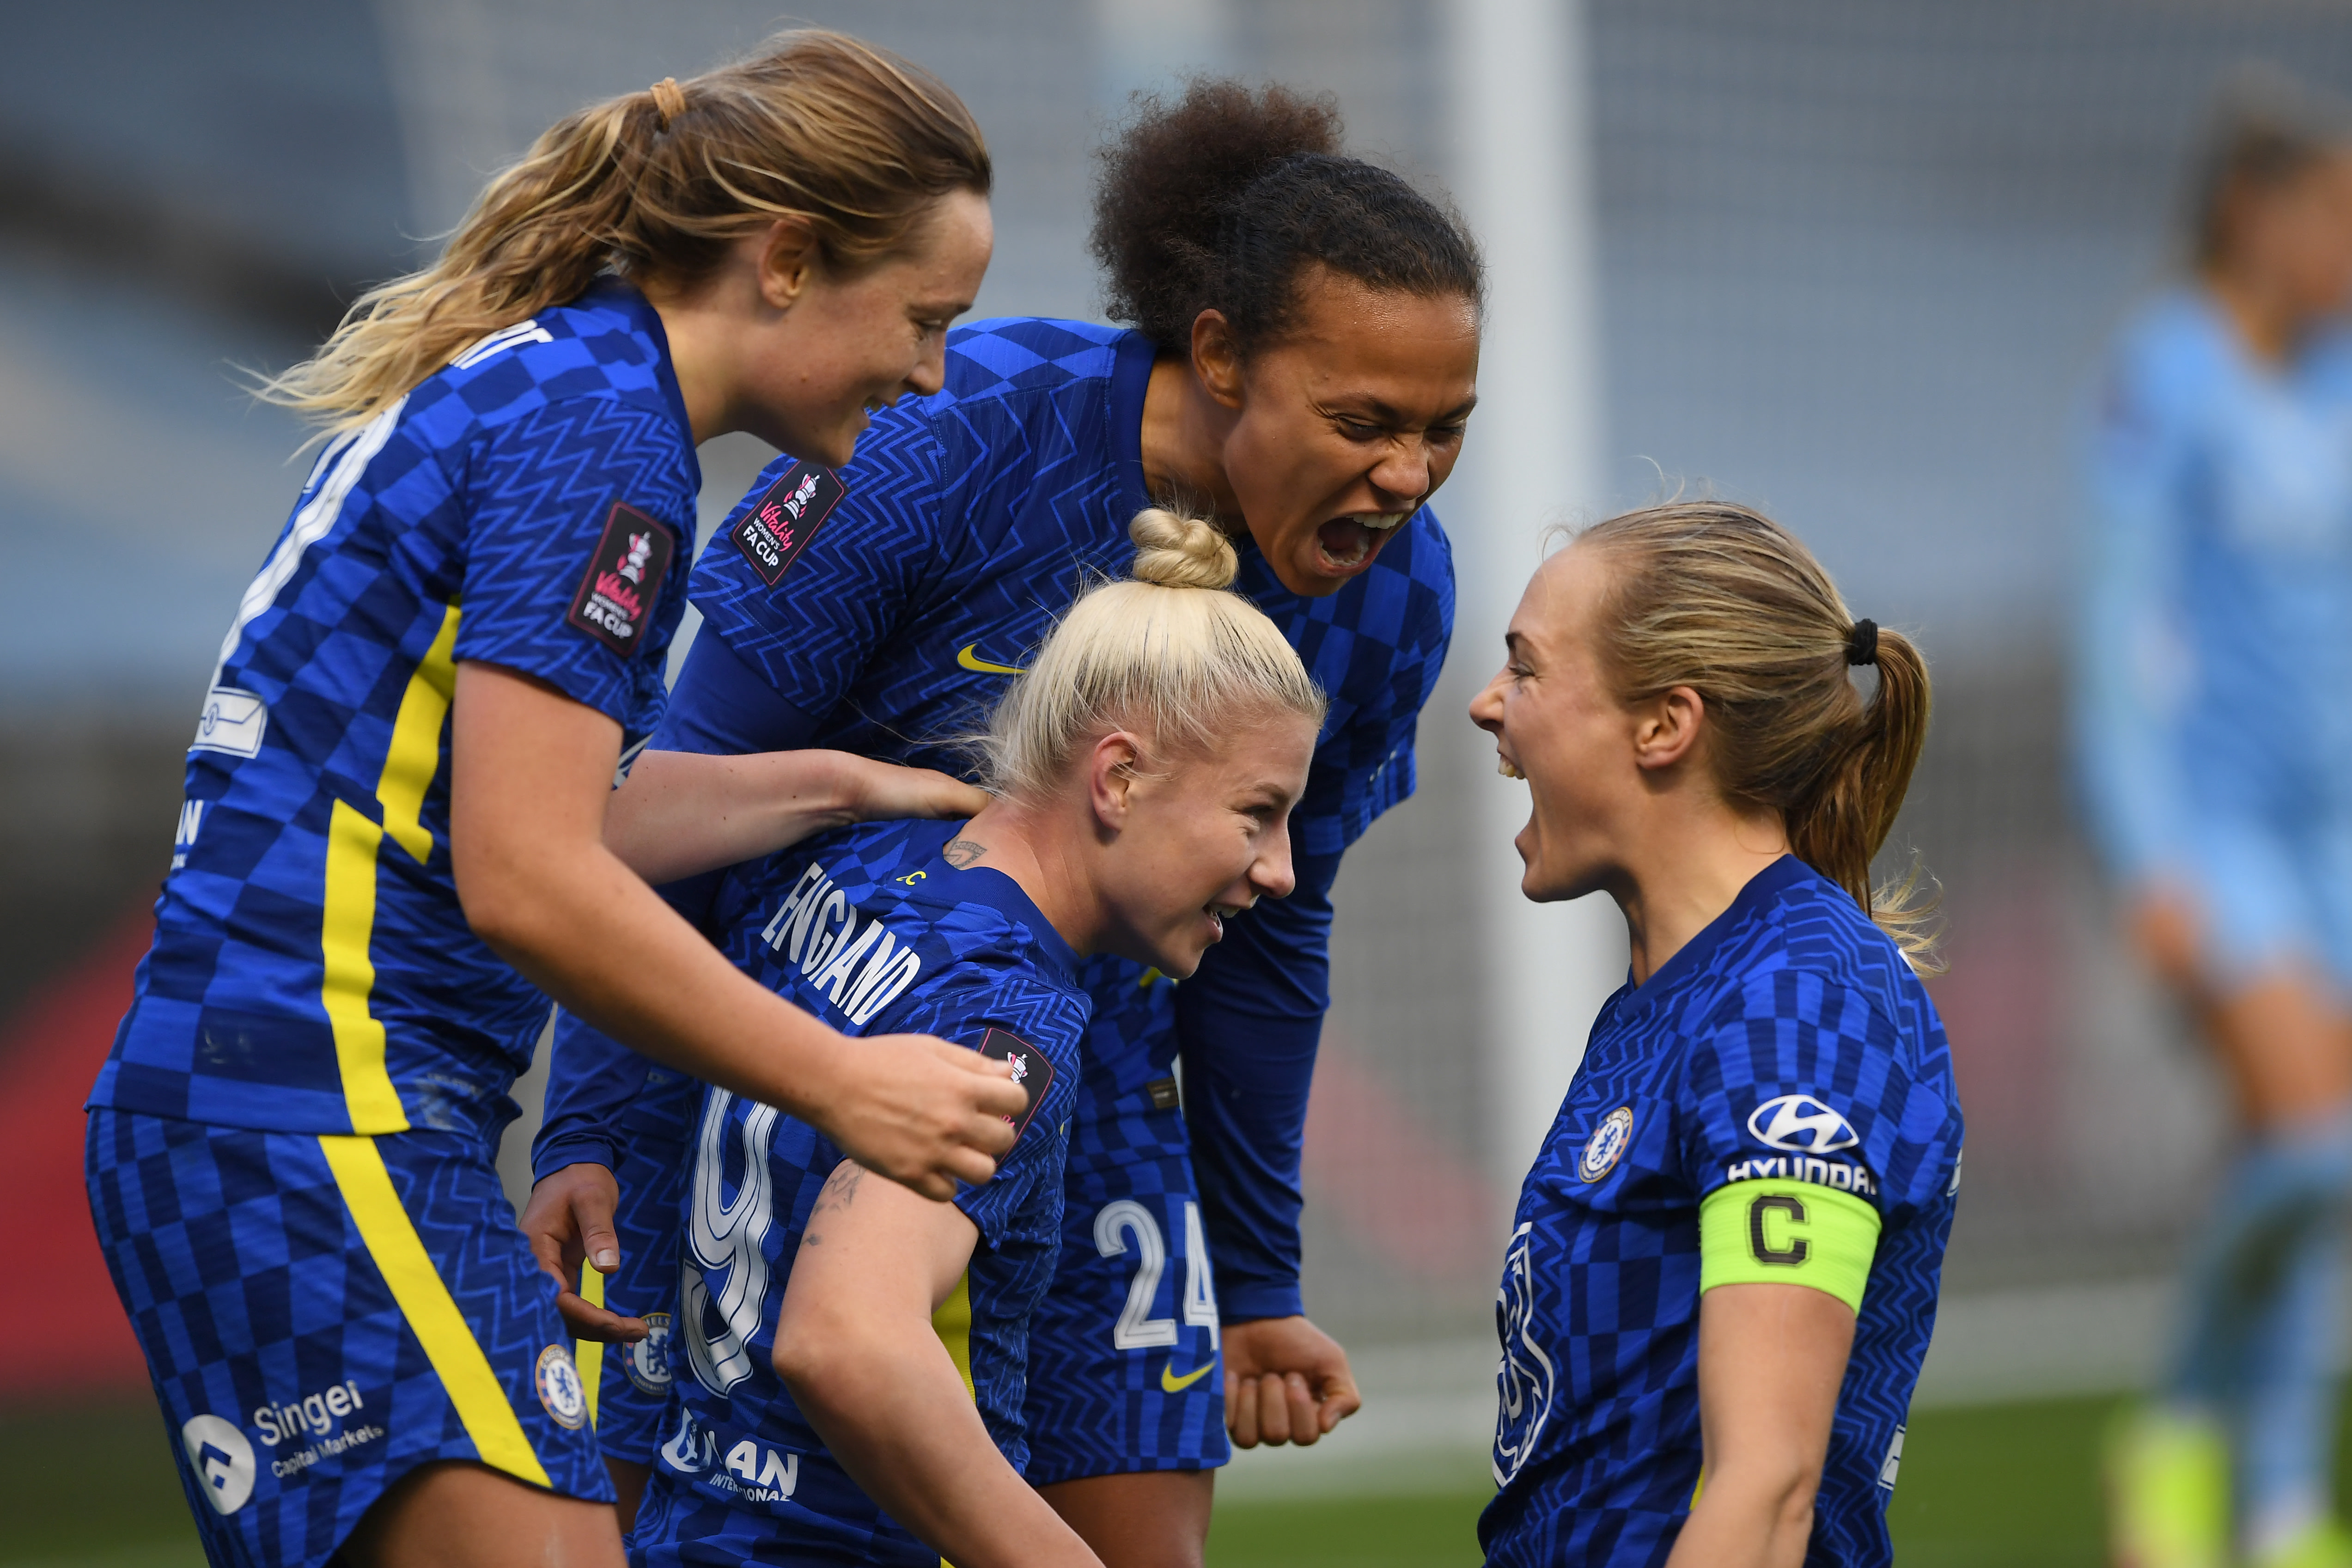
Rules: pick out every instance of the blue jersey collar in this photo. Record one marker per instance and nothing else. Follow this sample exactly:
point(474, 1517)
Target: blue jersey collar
point(1695, 955)
point(625, 298)
point(1131, 379)
point(987, 885)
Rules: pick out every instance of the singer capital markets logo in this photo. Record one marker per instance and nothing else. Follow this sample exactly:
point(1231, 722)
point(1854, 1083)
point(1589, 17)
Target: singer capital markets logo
point(221, 1459)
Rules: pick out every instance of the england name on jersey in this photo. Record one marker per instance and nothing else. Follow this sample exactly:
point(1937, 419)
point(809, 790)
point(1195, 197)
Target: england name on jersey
point(1788, 1040)
point(528, 506)
point(871, 930)
point(888, 618)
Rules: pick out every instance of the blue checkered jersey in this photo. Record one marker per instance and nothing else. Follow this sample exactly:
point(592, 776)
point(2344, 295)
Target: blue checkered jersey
point(869, 929)
point(312, 970)
point(1788, 1040)
point(2214, 651)
point(969, 520)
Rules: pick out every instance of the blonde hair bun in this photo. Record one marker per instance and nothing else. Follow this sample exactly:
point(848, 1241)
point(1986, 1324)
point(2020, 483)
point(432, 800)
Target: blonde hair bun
point(1178, 552)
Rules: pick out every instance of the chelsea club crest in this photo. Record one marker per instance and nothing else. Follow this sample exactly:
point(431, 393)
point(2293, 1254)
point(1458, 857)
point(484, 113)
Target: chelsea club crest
point(1608, 1142)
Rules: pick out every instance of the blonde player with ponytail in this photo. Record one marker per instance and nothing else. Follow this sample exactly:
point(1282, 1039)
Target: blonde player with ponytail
point(392, 836)
point(851, 1364)
point(1722, 1274)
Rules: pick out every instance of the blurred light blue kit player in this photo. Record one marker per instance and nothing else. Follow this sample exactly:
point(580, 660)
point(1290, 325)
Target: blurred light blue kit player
point(2214, 729)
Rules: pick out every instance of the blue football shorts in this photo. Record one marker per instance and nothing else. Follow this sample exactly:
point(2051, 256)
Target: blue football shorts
point(1125, 1373)
point(322, 1315)
point(2273, 893)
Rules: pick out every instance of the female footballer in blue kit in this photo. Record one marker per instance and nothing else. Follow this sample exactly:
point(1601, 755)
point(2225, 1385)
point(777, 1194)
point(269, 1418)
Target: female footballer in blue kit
point(1305, 361)
point(2215, 737)
point(1144, 768)
point(1723, 1274)
point(398, 790)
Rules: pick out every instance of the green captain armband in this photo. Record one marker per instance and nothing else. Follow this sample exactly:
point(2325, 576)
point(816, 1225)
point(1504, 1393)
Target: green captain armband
point(1778, 1232)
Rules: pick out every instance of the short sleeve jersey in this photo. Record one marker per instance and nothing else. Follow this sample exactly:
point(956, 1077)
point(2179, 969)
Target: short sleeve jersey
point(528, 506)
point(2219, 582)
point(971, 518)
point(1788, 1040)
point(871, 930)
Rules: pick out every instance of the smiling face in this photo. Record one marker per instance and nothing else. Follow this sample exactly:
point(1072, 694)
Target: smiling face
point(1556, 724)
point(1201, 838)
point(845, 344)
point(1345, 425)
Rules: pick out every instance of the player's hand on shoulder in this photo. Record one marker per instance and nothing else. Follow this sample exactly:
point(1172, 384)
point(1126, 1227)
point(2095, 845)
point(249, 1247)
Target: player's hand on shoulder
point(1286, 1380)
point(880, 791)
point(920, 1110)
point(569, 1217)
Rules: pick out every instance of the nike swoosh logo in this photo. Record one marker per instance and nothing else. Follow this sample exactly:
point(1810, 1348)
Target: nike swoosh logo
point(978, 665)
point(1175, 1385)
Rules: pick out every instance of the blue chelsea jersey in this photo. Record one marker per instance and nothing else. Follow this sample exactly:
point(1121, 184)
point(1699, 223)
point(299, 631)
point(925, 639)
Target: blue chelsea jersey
point(529, 506)
point(1788, 1040)
point(2217, 634)
point(883, 616)
point(871, 930)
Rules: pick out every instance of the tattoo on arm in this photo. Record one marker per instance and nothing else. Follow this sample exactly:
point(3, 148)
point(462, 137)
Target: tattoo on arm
point(839, 1189)
point(962, 852)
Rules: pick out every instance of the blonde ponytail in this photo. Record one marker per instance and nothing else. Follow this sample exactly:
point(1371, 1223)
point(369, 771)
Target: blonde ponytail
point(848, 138)
point(1727, 602)
point(1171, 653)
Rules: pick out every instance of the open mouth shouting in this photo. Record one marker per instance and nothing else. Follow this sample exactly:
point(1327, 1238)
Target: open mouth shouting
point(1219, 914)
point(1347, 545)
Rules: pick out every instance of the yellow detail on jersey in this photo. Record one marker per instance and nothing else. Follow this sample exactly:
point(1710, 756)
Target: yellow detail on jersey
point(588, 1355)
point(415, 750)
point(952, 1322)
point(390, 1239)
point(978, 665)
point(1171, 1384)
point(347, 918)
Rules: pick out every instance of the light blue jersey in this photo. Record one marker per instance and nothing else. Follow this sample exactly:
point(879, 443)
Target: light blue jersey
point(2214, 706)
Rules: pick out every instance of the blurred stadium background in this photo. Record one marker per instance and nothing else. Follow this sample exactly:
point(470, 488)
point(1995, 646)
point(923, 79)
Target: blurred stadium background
point(1850, 260)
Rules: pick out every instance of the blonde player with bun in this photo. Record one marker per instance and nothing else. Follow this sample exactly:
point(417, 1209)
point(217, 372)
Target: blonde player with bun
point(1142, 770)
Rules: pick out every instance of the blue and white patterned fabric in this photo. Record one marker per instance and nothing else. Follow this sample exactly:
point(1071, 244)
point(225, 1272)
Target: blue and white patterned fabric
point(871, 930)
point(322, 1314)
point(1790, 1040)
point(312, 971)
point(970, 521)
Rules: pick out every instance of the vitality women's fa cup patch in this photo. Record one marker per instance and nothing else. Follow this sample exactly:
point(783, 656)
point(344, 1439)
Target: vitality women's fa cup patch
point(781, 523)
point(1030, 1071)
point(616, 601)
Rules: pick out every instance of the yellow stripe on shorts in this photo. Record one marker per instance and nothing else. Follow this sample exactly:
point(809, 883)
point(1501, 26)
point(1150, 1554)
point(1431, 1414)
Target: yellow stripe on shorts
point(589, 1354)
point(399, 1252)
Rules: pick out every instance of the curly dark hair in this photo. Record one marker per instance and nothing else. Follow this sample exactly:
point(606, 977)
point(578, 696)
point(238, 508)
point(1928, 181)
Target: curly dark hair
point(1217, 199)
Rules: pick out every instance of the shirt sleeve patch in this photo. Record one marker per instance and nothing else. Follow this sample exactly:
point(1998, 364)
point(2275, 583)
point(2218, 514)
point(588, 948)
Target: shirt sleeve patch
point(1030, 1071)
point(1787, 1233)
point(776, 528)
point(616, 601)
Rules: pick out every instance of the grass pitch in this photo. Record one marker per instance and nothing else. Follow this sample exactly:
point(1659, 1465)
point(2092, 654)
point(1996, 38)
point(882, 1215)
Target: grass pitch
point(2013, 1486)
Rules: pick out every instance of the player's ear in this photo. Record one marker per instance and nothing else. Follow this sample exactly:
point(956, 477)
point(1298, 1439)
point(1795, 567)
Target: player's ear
point(1666, 727)
point(1217, 357)
point(787, 260)
point(1110, 779)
